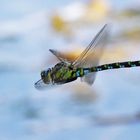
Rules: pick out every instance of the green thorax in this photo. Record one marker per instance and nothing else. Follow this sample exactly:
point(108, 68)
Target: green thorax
point(63, 73)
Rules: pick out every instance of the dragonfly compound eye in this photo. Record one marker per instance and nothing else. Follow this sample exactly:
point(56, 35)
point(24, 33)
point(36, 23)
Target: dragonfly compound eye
point(43, 74)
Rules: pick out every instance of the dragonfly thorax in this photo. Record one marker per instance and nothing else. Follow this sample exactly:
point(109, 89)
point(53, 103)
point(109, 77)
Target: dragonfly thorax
point(62, 73)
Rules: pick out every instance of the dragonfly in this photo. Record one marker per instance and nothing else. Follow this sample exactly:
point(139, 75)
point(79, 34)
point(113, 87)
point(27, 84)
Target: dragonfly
point(85, 66)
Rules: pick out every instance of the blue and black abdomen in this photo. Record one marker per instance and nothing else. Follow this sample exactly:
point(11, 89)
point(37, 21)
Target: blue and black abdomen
point(118, 65)
point(84, 71)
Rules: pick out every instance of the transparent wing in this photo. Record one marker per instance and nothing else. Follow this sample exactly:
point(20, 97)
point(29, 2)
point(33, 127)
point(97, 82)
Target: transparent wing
point(90, 56)
point(60, 56)
point(40, 85)
point(92, 45)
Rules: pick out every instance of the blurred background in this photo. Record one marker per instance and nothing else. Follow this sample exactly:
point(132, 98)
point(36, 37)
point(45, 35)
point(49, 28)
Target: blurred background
point(107, 110)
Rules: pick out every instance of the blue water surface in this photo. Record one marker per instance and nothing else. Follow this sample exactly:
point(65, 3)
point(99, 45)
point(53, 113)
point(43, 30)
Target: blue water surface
point(55, 114)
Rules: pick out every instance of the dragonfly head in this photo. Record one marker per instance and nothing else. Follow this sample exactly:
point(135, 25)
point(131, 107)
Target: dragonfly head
point(46, 76)
point(45, 80)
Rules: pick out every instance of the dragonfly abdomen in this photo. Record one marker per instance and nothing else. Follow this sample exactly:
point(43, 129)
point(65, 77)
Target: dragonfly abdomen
point(117, 65)
point(80, 72)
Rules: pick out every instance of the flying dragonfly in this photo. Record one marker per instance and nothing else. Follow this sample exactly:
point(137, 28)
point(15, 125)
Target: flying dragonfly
point(84, 66)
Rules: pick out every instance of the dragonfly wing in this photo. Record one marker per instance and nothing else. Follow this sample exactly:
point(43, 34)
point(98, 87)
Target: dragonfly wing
point(89, 78)
point(91, 55)
point(40, 85)
point(60, 56)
